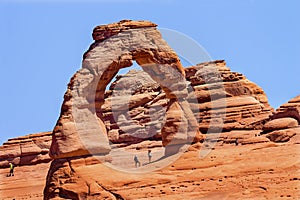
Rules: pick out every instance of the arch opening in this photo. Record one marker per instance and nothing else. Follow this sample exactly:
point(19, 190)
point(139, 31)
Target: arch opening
point(134, 107)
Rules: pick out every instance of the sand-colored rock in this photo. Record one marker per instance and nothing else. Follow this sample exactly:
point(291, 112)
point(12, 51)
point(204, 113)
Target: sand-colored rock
point(290, 109)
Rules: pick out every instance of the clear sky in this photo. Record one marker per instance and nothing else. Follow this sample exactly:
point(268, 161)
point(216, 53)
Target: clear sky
point(42, 42)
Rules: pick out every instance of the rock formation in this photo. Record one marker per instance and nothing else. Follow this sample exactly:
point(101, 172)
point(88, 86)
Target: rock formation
point(26, 150)
point(243, 103)
point(30, 155)
point(290, 109)
point(81, 120)
point(293, 103)
point(162, 106)
point(178, 113)
point(283, 125)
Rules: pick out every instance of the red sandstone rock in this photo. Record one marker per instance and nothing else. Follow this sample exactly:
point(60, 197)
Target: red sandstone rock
point(26, 150)
point(289, 112)
point(81, 129)
point(222, 101)
point(236, 172)
point(293, 103)
point(100, 33)
point(154, 115)
point(283, 135)
point(281, 123)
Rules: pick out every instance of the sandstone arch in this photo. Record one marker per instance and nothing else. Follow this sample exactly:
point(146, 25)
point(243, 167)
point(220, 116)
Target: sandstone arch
point(80, 129)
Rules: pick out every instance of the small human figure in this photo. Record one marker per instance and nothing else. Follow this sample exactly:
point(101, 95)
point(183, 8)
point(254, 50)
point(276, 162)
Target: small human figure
point(149, 155)
point(236, 142)
point(11, 171)
point(136, 160)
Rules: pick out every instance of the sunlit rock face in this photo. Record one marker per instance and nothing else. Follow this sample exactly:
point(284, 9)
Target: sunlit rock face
point(80, 129)
point(165, 106)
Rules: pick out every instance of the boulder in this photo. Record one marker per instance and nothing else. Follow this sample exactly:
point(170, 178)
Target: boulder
point(281, 123)
point(283, 135)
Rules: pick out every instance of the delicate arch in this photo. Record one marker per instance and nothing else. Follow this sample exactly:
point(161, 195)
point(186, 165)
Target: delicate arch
point(116, 46)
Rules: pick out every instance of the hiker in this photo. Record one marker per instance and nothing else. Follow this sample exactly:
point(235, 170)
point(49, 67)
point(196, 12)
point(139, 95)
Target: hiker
point(136, 160)
point(149, 155)
point(236, 142)
point(11, 171)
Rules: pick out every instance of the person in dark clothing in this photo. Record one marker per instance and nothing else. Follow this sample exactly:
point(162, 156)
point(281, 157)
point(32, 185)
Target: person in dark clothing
point(149, 155)
point(136, 160)
point(11, 169)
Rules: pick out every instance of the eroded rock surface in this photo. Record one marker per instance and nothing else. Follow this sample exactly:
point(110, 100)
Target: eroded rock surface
point(81, 120)
point(280, 123)
point(243, 104)
point(293, 103)
point(290, 109)
point(26, 150)
point(283, 125)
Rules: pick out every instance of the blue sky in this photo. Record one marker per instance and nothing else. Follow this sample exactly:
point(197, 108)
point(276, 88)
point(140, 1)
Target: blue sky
point(42, 44)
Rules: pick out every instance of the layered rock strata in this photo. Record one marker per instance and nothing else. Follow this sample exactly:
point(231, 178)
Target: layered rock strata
point(290, 109)
point(283, 125)
point(293, 103)
point(26, 150)
point(239, 103)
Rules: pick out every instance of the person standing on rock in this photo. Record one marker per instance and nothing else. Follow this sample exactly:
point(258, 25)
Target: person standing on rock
point(149, 155)
point(11, 171)
point(136, 160)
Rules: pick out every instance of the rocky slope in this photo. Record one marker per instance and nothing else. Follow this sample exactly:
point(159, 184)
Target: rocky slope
point(257, 171)
point(30, 155)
